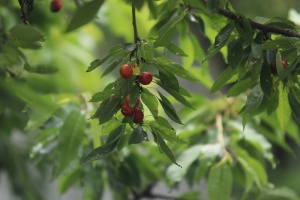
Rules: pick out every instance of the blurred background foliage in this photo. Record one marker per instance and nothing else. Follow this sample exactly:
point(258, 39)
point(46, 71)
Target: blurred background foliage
point(52, 101)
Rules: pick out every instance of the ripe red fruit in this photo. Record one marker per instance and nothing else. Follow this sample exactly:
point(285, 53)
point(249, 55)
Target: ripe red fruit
point(145, 78)
point(274, 67)
point(138, 116)
point(126, 71)
point(126, 110)
point(56, 5)
point(127, 100)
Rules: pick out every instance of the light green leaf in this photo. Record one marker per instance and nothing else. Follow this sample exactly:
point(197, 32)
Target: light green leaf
point(239, 87)
point(283, 111)
point(100, 96)
point(220, 182)
point(254, 99)
point(150, 101)
point(175, 50)
point(222, 79)
point(69, 140)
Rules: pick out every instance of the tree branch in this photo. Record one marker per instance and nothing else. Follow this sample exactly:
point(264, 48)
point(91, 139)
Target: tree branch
point(135, 32)
point(262, 27)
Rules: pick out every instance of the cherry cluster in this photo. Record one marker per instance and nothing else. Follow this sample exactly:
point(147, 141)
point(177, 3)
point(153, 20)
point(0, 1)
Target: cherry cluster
point(56, 5)
point(126, 71)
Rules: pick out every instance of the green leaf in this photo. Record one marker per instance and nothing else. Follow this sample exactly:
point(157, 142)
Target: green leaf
point(169, 80)
point(84, 14)
point(167, 32)
point(111, 67)
point(134, 95)
point(212, 5)
point(266, 82)
point(26, 37)
point(107, 109)
point(254, 100)
point(148, 51)
point(138, 135)
point(220, 181)
point(165, 149)
point(279, 66)
point(152, 8)
point(108, 147)
point(100, 96)
point(150, 101)
point(167, 132)
point(220, 40)
point(256, 50)
point(69, 140)
point(175, 50)
point(239, 87)
point(283, 110)
point(281, 43)
point(67, 181)
point(165, 64)
point(190, 155)
point(235, 52)
point(40, 69)
point(244, 28)
point(222, 79)
point(169, 109)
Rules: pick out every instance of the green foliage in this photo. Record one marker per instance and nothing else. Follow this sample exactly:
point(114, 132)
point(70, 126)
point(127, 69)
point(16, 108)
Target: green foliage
point(227, 141)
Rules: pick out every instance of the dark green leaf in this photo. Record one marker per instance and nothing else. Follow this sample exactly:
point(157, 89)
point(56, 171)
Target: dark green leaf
point(100, 96)
point(175, 50)
point(108, 147)
point(84, 14)
point(169, 109)
point(220, 40)
point(220, 182)
point(111, 67)
point(212, 5)
point(166, 131)
point(165, 149)
point(176, 95)
point(239, 87)
point(96, 63)
point(222, 79)
point(169, 80)
point(256, 50)
point(244, 28)
point(166, 33)
point(281, 43)
point(254, 99)
point(107, 109)
point(152, 8)
point(150, 101)
point(165, 64)
point(40, 69)
point(266, 82)
point(138, 135)
point(235, 52)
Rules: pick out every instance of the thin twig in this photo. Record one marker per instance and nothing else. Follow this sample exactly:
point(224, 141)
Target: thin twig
point(259, 26)
point(135, 32)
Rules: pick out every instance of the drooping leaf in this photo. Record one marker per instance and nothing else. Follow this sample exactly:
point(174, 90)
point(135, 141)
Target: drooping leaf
point(40, 69)
point(256, 50)
point(111, 67)
point(148, 51)
point(84, 14)
point(266, 83)
point(175, 50)
point(169, 80)
point(222, 79)
point(68, 181)
point(165, 149)
point(150, 101)
point(108, 147)
point(152, 8)
point(254, 99)
point(167, 32)
point(239, 87)
point(281, 43)
point(168, 133)
point(134, 95)
point(220, 182)
point(107, 109)
point(283, 110)
point(212, 5)
point(169, 109)
point(69, 140)
point(100, 96)
point(138, 135)
point(244, 28)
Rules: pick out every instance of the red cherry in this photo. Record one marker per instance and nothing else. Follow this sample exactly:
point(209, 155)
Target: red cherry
point(127, 100)
point(126, 110)
point(56, 5)
point(138, 116)
point(126, 71)
point(283, 63)
point(145, 78)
